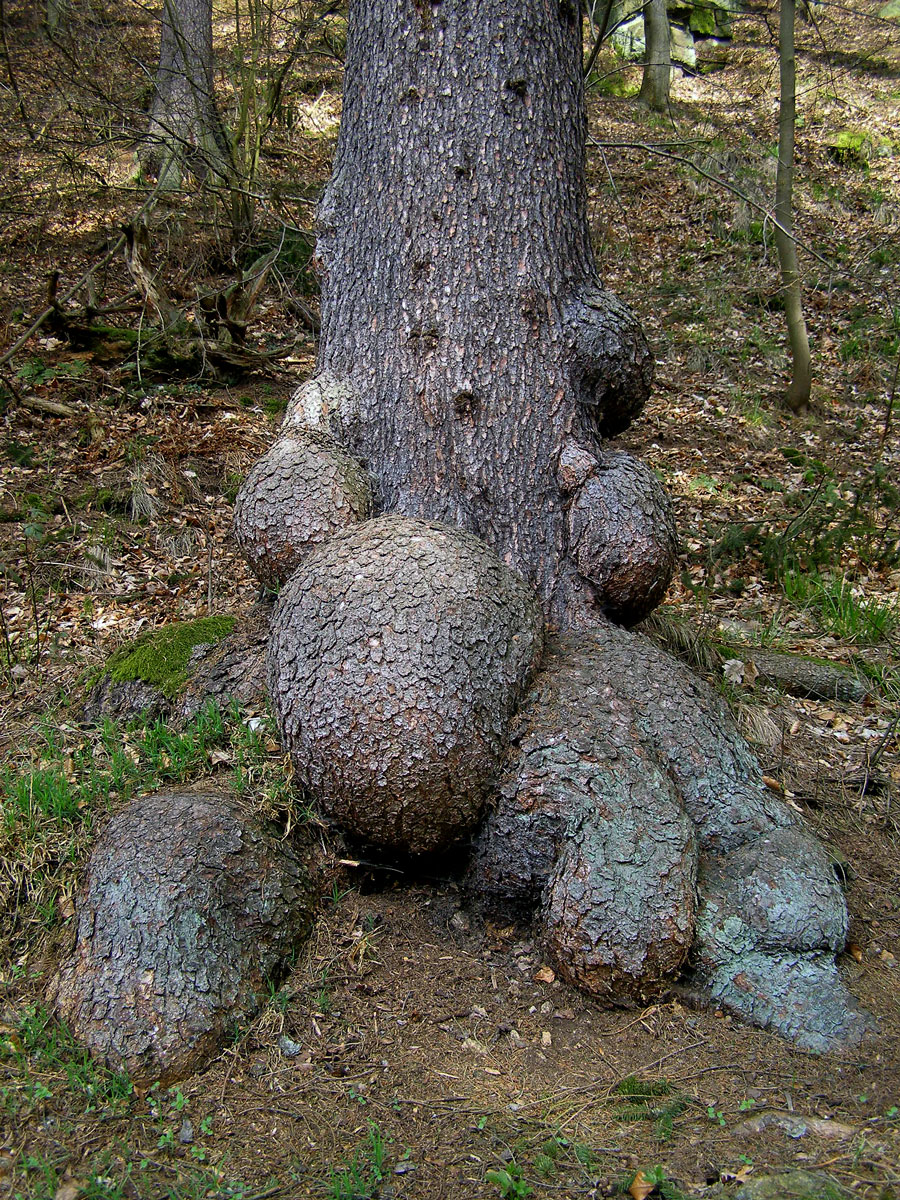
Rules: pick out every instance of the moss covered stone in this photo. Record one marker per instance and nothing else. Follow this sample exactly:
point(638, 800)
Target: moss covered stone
point(854, 147)
point(160, 659)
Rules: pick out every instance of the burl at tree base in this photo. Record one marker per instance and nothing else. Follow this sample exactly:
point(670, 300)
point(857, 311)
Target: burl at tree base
point(473, 366)
point(462, 553)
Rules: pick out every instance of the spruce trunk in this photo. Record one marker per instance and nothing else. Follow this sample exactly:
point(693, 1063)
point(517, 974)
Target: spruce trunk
point(472, 364)
point(459, 297)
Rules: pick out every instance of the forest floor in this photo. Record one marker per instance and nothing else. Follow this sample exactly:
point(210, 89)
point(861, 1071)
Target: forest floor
point(413, 1050)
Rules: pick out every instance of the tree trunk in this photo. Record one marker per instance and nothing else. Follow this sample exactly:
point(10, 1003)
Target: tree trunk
point(186, 131)
point(460, 301)
point(801, 376)
point(56, 11)
point(657, 57)
point(472, 362)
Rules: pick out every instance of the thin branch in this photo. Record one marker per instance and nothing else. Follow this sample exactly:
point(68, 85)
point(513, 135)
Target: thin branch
point(601, 34)
point(650, 148)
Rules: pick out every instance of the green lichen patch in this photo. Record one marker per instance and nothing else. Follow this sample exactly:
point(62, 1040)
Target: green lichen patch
point(160, 658)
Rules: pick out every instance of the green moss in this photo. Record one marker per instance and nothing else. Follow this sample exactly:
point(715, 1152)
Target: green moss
point(854, 147)
point(702, 21)
point(160, 658)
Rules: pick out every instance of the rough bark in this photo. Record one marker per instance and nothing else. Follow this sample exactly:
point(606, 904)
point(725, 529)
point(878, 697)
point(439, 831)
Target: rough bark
point(399, 651)
point(627, 790)
point(473, 364)
point(622, 535)
point(657, 58)
point(185, 913)
point(302, 492)
point(463, 311)
point(186, 131)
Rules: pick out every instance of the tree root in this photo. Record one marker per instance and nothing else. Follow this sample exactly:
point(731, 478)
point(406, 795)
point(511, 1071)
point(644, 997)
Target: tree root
point(628, 786)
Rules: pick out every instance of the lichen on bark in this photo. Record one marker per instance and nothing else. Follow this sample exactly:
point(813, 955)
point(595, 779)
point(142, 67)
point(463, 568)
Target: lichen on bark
point(628, 793)
point(186, 911)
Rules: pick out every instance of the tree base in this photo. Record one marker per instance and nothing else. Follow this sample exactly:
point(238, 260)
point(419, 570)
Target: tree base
point(628, 793)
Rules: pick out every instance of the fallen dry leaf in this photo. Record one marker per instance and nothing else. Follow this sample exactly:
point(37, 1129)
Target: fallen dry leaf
point(855, 951)
point(641, 1186)
point(69, 1190)
point(544, 975)
point(733, 670)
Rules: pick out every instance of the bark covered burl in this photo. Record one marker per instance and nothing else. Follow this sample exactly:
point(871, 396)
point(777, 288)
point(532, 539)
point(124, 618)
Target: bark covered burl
point(629, 793)
point(399, 651)
point(471, 360)
point(305, 489)
point(185, 913)
point(622, 537)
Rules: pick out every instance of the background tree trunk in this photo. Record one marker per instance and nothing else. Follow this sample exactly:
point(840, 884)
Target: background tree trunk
point(801, 377)
point(185, 127)
point(459, 297)
point(657, 57)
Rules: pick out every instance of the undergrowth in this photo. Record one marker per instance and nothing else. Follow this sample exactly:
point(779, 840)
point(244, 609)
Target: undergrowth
point(52, 801)
point(820, 521)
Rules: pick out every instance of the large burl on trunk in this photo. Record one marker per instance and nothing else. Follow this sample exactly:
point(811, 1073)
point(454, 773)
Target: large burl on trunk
point(186, 912)
point(473, 365)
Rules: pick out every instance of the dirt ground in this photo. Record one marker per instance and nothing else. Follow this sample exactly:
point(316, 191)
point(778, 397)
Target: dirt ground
point(413, 1050)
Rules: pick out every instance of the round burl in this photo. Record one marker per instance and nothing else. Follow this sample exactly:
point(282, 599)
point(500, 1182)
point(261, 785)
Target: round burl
point(622, 537)
point(399, 651)
point(613, 366)
point(305, 489)
point(186, 911)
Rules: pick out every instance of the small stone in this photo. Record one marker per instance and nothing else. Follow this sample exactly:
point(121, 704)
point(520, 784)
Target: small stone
point(788, 1185)
point(289, 1048)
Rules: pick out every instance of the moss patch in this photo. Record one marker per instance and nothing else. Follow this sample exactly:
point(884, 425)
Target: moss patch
point(160, 658)
point(854, 147)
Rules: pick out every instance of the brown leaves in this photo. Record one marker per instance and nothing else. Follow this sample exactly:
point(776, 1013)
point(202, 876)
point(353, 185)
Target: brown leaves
point(642, 1185)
